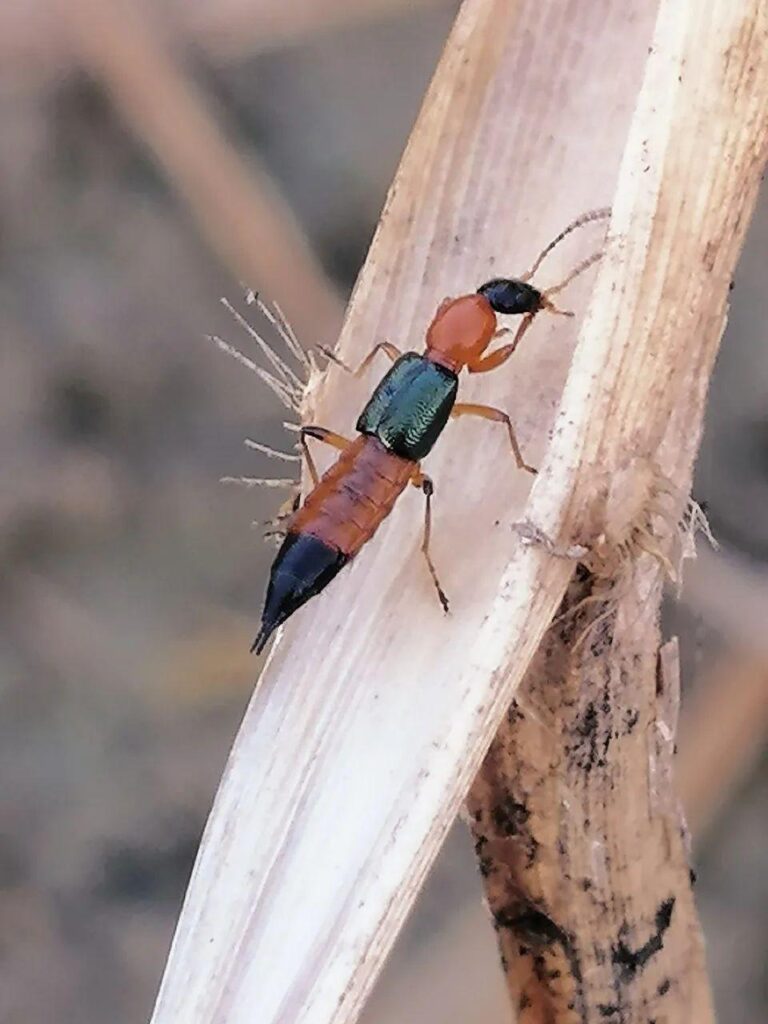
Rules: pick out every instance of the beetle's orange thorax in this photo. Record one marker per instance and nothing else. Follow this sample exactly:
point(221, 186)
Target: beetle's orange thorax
point(461, 331)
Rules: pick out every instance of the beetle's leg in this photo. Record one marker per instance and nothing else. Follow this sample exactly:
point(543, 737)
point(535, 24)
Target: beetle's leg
point(289, 507)
point(424, 482)
point(487, 412)
point(276, 525)
point(501, 355)
point(327, 437)
point(383, 346)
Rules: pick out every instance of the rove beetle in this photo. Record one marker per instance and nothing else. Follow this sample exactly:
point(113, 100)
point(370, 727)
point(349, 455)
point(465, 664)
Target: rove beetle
point(397, 428)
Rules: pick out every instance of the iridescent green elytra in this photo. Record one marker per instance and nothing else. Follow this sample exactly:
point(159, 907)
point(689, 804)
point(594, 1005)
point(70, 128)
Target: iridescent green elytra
point(410, 407)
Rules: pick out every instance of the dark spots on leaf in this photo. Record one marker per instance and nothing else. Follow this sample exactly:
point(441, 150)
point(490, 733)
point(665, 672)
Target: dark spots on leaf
point(627, 961)
point(582, 573)
point(539, 929)
point(509, 816)
point(535, 928)
point(514, 714)
point(664, 914)
point(601, 638)
point(592, 740)
point(631, 717)
point(659, 676)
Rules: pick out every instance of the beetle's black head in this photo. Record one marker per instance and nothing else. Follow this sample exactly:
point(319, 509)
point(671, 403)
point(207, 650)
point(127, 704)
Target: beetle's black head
point(510, 296)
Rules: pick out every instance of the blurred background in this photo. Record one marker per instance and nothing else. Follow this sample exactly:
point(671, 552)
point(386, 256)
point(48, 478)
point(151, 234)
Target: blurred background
point(152, 159)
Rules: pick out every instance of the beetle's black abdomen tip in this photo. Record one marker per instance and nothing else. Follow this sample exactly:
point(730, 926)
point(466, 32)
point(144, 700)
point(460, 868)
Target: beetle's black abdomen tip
point(261, 639)
point(304, 566)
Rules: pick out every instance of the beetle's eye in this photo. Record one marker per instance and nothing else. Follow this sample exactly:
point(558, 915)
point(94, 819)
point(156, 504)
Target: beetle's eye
point(507, 295)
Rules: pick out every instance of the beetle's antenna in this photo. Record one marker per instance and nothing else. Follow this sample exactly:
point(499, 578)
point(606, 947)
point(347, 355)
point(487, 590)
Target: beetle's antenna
point(546, 295)
point(584, 265)
point(585, 218)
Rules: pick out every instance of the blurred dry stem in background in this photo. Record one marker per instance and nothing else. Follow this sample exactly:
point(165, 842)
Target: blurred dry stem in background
point(721, 739)
point(31, 45)
point(131, 581)
point(239, 208)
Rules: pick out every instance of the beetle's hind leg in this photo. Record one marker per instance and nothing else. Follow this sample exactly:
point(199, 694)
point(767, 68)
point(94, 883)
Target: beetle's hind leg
point(422, 481)
point(386, 347)
point(276, 527)
point(327, 437)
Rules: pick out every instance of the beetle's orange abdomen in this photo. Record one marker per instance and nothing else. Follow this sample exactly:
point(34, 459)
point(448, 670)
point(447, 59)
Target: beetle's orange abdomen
point(354, 496)
point(461, 331)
